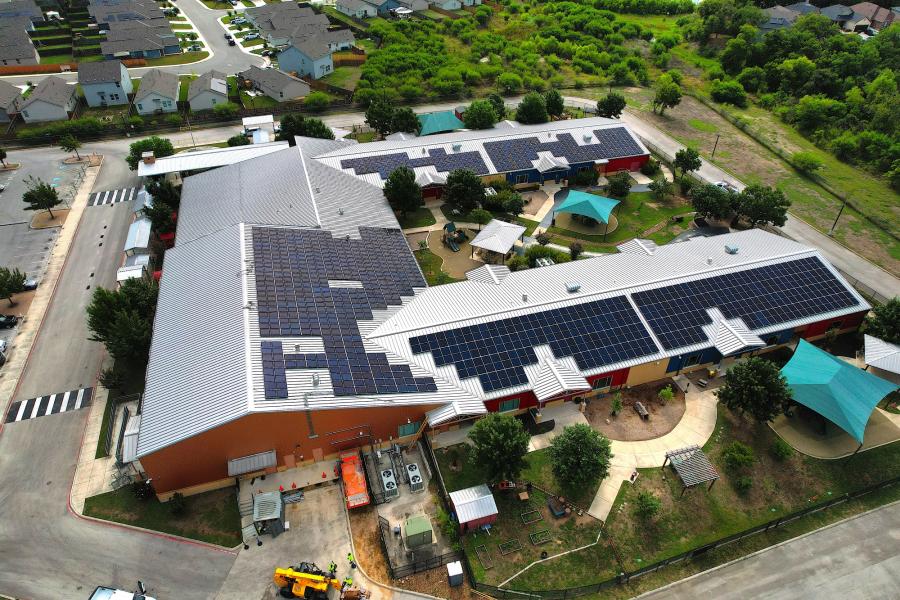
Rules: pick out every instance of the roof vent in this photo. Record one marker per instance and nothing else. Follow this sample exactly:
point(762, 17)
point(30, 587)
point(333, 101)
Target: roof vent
point(573, 287)
point(457, 147)
point(297, 348)
point(709, 260)
point(317, 190)
point(731, 249)
point(315, 380)
point(587, 137)
point(524, 297)
point(424, 151)
point(340, 211)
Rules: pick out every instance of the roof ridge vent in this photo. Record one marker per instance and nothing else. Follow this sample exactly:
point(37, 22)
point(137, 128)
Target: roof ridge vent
point(573, 286)
point(457, 147)
point(587, 137)
point(731, 249)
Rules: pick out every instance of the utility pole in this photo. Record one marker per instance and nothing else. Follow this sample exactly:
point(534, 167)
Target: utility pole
point(716, 145)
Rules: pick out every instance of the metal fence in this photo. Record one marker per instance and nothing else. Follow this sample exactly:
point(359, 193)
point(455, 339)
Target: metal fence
point(111, 419)
point(398, 571)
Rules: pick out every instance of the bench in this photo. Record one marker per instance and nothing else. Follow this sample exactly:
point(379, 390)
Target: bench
point(641, 411)
point(702, 382)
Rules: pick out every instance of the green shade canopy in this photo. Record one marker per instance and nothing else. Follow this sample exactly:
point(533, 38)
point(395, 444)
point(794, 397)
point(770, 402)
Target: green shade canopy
point(439, 122)
point(840, 392)
point(588, 205)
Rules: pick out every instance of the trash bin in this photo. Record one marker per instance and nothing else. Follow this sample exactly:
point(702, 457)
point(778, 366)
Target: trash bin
point(455, 574)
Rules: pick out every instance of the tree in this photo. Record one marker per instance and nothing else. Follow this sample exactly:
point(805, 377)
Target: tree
point(480, 115)
point(166, 202)
point(509, 83)
point(480, 216)
point(498, 105)
point(611, 105)
point(500, 446)
point(69, 143)
point(296, 125)
point(3, 157)
point(401, 190)
point(12, 281)
point(687, 159)
point(760, 204)
point(619, 185)
point(40, 195)
point(668, 94)
point(757, 387)
point(238, 140)
point(806, 162)
point(464, 190)
point(226, 110)
point(543, 238)
point(316, 101)
point(512, 202)
point(166, 192)
point(729, 92)
point(738, 456)
point(532, 109)
point(122, 320)
point(554, 102)
point(575, 250)
point(884, 321)
point(405, 120)
point(647, 505)
point(579, 456)
point(159, 146)
point(380, 116)
point(713, 202)
point(662, 189)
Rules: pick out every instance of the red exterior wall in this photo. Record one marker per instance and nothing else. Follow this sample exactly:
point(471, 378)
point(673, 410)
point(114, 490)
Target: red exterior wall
point(432, 191)
point(629, 163)
point(473, 525)
point(529, 400)
point(618, 377)
point(821, 327)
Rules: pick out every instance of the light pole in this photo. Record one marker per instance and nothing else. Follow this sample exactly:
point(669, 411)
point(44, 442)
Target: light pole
point(716, 145)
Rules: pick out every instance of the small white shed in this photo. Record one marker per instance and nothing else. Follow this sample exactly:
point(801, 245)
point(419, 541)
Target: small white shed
point(138, 240)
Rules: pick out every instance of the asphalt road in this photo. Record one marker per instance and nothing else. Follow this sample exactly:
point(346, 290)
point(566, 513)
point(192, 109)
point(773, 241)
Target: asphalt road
point(229, 59)
point(856, 559)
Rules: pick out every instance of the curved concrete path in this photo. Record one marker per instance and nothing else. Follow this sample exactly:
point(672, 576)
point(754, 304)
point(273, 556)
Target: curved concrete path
point(695, 428)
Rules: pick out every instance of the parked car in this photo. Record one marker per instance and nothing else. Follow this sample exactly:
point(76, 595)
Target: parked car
point(231, 42)
point(252, 36)
point(726, 186)
point(30, 284)
point(8, 321)
point(238, 21)
point(228, 36)
point(4, 346)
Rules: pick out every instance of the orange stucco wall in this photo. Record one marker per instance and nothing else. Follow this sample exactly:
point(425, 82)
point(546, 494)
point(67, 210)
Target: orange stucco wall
point(204, 457)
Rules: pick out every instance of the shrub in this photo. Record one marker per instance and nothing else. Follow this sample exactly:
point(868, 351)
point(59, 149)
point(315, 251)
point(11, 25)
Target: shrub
point(743, 484)
point(226, 110)
point(238, 140)
point(142, 490)
point(517, 263)
point(666, 394)
point(647, 505)
point(542, 238)
point(806, 162)
point(738, 456)
point(730, 92)
point(174, 120)
point(586, 177)
point(617, 403)
point(781, 450)
point(575, 250)
point(651, 167)
point(535, 252)
point(316, 101)
point(177, 505)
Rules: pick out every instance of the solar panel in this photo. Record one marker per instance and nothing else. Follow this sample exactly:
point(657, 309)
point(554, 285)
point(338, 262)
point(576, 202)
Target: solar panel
point(519, 153)
point(765, 296)
point(385, 164)
point(292, 269)
point(595, 334)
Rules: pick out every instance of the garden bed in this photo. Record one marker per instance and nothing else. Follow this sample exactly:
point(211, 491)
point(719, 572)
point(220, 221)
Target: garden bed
point(628, 425)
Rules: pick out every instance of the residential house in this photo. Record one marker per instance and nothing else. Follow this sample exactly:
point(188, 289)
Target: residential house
point(384, 6)
point(10, 99)
point(415, 5)
point(845, 17)
point(778, 17)
point(208, 90)
point(140, 39)
point(311, 55)
point(104, 83)
point(879, 17)
point(471, 2)
point(803, 8)
point(16, 47)
point(105, 14)
point(52, 100)
point(158, 93)
point(447, 4)
point(275, 84)
point(357, 8)
point(26, 10)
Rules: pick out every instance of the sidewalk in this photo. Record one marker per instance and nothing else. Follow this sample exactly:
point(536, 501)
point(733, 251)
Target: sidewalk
point(695, 427)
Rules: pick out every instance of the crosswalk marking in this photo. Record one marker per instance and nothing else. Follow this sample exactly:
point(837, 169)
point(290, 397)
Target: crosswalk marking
point(113, 196)
point(50, 404)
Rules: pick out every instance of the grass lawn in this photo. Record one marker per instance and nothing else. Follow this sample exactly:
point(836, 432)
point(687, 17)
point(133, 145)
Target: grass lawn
point(252, 43)
point(529, 225)
point(430, 263)
point(260, 101)
point(343, 77)
point(57, 59)
point(216, 5)
point(211, 517)
point(185, 84)
point(182, 27)
point(701, 517)
point(365, 136)
point(421, 217)
point(177, 59)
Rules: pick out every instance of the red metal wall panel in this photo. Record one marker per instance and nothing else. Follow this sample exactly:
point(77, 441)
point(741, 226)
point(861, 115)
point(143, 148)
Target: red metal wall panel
point(629, 163)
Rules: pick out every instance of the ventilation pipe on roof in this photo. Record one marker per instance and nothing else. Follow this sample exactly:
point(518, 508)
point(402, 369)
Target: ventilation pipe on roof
point(573, 286)
point(731, 249)
point(587, 137)
point(297, 348)
point(524, 297)
point(709, 260)
point(457, 147)
point(341, 211)
point(315, 380)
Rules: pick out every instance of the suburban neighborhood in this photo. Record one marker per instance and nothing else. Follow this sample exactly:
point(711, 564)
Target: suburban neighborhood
point(416, 299)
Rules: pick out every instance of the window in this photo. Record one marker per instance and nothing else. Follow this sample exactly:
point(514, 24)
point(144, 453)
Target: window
point(140, 107)
point(113, 96)
point(690, 361)
point(408, 429)
point(167, 103)
point(117, 84)
point(508, 405)
point(772, 340)
point(25, 113)
point(521, 178)
point(603, 382)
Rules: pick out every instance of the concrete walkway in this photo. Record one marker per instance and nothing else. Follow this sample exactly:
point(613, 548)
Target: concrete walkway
point(695, 427)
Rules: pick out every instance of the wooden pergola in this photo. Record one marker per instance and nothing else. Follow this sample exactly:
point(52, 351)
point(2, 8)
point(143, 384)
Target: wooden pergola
point(693, 467)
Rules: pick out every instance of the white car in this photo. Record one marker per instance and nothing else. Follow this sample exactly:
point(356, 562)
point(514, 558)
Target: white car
point(106, 593)
point(251, 36)
point(726, 186)
point(4, 345)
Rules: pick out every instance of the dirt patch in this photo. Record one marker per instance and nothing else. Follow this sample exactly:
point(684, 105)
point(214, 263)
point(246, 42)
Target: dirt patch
point(413, 239)
point(21, 303)
point(10, 167)
point(74, 161)
point(628, 426)
point(43, 220)
point(534, 202)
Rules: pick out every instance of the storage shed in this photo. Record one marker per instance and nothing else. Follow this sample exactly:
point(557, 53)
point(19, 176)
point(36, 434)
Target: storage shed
point(268, 513)
point(138, 240)
point(474, 507)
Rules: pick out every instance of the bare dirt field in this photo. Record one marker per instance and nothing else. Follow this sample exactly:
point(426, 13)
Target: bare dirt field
point(627, 426)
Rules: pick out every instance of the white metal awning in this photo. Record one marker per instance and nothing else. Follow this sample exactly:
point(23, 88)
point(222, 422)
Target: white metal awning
point(207, 159)
point(730, 335)
point(249, 464)
point(555, 378)
point(138, 235)
point(882, 355)
point(498, 236)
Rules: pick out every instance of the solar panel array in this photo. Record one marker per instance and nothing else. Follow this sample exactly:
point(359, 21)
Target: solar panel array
point(519, 153)
point(595, 334)
point(385, 164)
point(293, 267)
point(768, 295)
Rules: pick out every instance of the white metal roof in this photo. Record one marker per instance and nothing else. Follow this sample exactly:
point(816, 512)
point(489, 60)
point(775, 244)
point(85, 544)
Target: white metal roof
point(207, 158)
point(473, 503)
point(142, 200)
point(129, 272)
point(555, 378)
point(498, 236)
point(258, 120)
point(137, 259)
point(882, 355)
point(139, 235)
point(637, 245)
point(492, 274)
point(730, 335)
point(129, 440)
point(254, 462)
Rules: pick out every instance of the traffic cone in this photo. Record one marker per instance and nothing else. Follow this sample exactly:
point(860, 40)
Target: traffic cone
point(280, 488)
point(324, 476)
point(293, 486)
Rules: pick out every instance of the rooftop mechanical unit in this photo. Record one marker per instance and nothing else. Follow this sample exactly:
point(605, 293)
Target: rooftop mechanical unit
point(416, 481)
point(389, 483)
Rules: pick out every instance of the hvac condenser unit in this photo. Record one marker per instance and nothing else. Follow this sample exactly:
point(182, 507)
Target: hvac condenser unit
point(416, 481)
point(389, 483)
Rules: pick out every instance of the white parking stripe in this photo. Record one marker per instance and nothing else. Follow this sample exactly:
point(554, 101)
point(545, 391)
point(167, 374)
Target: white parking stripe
point(79, 399)
point(65, 398)
point(50, 405)
point(21, 412)
point(103, 198)
point(34, 411)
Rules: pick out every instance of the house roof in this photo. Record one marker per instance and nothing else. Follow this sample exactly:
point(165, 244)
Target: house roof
point(882, 355)
point(125, 11)
point(804, 8)
point(313, 46)
point(271, 78)
point(625, 292)
point(439, 122)
point(15, 43)
point(491, 151)
point(498, 236)
point(473, 503)
point(133, 36)
point(354, 5)
point(837, 12)
point(21, 8)
point(104, 71)
point(554, 378)
point(211, 81)
point(779, 17)
point(842, 393)
point(138, 234)
point(10, 96)
point(52, 90)
point(157, 81)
